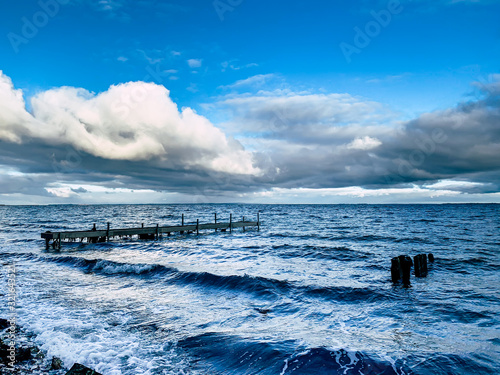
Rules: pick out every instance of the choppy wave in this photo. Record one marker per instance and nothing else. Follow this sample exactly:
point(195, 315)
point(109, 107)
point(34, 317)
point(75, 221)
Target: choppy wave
point(308, 294)
point(227, 354)
point(259, 286)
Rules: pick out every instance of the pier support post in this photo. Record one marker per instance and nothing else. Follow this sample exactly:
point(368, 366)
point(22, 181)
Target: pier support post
point(107, 233)
point(56, 244)
point(420, 265)
point(395, 270)
point(230, 223)
point(157, 232)
point(243, 223)
point(405, 268)
point(47, 241)
point(401, 269)
point(215, 220)
point(258, 222)
point(197, 226)
point(431, 258)
point(182, 224)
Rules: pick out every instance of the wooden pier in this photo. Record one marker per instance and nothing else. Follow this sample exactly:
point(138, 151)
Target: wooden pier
point(145, 233)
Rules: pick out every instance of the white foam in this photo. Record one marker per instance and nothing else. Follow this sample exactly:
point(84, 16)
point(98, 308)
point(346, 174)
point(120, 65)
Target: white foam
point(115, 268)
point(82, 334)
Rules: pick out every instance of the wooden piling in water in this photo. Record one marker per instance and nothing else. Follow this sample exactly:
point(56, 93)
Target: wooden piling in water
point(406, 264)
point(401, 269)
point(420, 265)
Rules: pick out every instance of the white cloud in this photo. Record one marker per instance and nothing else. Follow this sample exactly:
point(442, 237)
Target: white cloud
point(133, 121)
point(13, 116)
point(491, 84)
point(356, 194)
point(61, 192)
point(192, 88)
point(254, 81)
point(194, 63)
point(232, 64)
point(337, 118)
point(365, 143)
point(389, 78)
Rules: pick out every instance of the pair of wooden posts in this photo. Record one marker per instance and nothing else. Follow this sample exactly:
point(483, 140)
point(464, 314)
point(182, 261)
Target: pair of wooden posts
point(401, 267)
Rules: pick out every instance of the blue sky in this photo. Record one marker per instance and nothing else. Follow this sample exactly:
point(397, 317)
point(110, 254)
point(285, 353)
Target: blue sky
point(229, 61)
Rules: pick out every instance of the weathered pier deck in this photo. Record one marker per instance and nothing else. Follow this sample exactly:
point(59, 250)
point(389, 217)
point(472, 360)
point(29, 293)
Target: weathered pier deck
point(146, 233)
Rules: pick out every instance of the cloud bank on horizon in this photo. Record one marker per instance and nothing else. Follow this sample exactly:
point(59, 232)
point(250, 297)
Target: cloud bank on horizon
point(277, 146)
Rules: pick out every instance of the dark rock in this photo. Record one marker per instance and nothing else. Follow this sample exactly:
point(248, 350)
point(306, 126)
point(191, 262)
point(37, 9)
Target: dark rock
point(39, 354)
point(4, 353)
point(263, 311)
point(23, 354)
point(4, 323)
point(56, 364)
point(79, 369)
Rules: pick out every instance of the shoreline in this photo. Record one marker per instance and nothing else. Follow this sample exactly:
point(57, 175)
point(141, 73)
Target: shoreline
point(30, 359)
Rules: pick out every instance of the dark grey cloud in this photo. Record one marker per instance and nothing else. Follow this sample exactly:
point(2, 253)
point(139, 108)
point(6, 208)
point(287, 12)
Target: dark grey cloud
point(322, 148)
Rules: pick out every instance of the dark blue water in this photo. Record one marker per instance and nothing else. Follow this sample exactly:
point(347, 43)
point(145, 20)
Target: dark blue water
point(308, 294)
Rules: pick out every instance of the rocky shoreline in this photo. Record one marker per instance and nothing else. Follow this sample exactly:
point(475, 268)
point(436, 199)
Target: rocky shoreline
point(29, 359)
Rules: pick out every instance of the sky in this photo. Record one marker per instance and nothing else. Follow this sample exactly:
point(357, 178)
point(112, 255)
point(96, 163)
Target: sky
point(151, 101)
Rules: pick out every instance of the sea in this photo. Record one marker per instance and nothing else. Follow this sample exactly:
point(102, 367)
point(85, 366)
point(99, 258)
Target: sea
point(310, 293)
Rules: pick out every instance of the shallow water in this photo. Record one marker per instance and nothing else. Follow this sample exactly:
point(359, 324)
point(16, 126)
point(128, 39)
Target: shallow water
point(308, 294)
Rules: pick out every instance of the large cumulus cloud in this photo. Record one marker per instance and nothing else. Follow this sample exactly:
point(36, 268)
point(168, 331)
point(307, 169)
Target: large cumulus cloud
point(135, 121)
